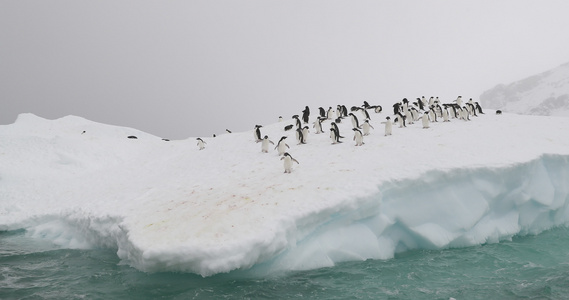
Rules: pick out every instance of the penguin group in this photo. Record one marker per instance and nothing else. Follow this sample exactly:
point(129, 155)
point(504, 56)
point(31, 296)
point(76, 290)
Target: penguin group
point(405, 113)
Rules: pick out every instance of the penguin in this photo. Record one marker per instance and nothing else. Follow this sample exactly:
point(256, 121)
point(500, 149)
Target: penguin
point(459, 101)
point(344, 111)
point(420, 103)
point(201, 143)
point(431, 101)
point(288, 160)
point(338, 111)
point(334, 136)
point(409, 116)
point(358, 137)
point(465, 114)
point(388, 126)
point(355, 122)
point(288, 127)
point(423, 101)
point(305, 115)
point(281, 146)
point(366, 127)
point(478, 108)
point(322, 112)
point(318, 125)
point(300, 136)
point(432, 114)
point(280, 119)
point(376, 108)
point(297, 120)
point(425, 120)
point(257, 133)
point(414, 114)
point(445, 115)
point(498, 112)
point(365, 113)
point(265, 144)
point(396, 108)
point(405, 104)
point(401, 120)
point(330, 113)
point(305, 133)
point(335, 126)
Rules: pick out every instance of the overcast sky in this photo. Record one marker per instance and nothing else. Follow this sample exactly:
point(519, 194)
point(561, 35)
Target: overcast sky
point(180, 69)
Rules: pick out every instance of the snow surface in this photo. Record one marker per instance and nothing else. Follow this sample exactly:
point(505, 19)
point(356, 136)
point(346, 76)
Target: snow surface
point(545, 94)
point(167, 206)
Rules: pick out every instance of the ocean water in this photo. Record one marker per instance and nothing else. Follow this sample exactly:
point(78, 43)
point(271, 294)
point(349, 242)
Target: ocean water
point(527, 267)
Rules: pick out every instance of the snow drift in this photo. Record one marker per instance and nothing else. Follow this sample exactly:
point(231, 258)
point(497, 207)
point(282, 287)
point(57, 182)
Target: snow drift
point(167, 206)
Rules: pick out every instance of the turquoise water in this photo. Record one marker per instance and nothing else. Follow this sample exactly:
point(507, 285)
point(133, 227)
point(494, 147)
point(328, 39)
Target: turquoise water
point(528, 267)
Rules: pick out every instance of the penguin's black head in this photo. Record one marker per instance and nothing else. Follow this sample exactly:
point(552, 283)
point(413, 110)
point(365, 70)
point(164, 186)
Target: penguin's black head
point(388, 118)
point(266, 137)
point(295, 117)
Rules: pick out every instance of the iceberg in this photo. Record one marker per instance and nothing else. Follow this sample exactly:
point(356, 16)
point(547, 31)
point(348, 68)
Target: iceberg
point(168, 206)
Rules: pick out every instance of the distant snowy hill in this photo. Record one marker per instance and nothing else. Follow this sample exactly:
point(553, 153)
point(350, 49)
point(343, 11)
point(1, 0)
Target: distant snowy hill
point(545, 94)
point(168, 206)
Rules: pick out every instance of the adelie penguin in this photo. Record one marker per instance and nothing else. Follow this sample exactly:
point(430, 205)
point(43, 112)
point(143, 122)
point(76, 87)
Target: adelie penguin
point(257, 133)
point(334, 136)
point(297, 120)
point(288, 160)
point(318, 125)
point(300, 136)
point(358, 137)
point(281, 146)
point(265, 144)
point(201, 143)
point(305, 115)
point(366, 127)
point(388, 126)
point(355, 122)
point(322, 112)
point(425, 120)
point(335, 126)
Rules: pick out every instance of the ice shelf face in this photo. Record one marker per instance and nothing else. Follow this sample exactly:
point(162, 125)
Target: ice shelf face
point(168, 206)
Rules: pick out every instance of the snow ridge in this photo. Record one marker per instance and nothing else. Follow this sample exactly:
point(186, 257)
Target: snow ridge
point(545, 94)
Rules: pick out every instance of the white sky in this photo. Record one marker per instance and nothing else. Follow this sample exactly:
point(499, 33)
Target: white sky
point(181, 69)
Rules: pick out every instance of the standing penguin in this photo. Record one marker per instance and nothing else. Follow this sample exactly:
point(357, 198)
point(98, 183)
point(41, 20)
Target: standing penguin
point(330, 114)
point(445, 115)
point(322, 112)
point(257, 133)
point(305, 115)
point(298, 124)
point(318, 125)
point(358, 137)
point(281, 146)
point(388, 126)
point(305, 133)
point(265, 144)
point(425, 120)
point(300, 136)
point(478, 108)
point(366, 127)
point(355, 122)
point(201, 143)
point(335, 126)
point(288, 159)
point(334, 136)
